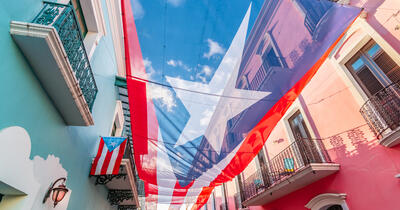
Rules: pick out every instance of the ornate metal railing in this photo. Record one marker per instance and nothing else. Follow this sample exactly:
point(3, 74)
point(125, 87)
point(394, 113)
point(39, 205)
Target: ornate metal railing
point(138, 181)
point(116, 197)
point(63, 19)
point(382, 110)
point(297, 155)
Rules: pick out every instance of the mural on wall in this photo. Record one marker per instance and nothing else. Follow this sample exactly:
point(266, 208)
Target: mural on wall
point(23, 181)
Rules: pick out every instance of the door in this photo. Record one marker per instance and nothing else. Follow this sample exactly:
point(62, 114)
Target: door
point(307, 148)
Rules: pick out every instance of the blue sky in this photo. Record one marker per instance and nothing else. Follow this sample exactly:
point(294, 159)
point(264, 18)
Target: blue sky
point(188, 38)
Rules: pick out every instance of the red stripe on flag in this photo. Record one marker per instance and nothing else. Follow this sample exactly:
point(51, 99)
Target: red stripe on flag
point(136, 89)
point(119, 157)
point(96, 159)
point(203, 197)
point(106, 163)
point(179, 194)
point(138, 100)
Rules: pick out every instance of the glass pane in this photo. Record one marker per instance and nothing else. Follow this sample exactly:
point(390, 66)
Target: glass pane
point(270, 58)
point(335, 207)
point(79, 16)
point(357, 64)
point(374, 50)
point(298, 126)
point(369, 80)
point(388, 66)
point(114, 129)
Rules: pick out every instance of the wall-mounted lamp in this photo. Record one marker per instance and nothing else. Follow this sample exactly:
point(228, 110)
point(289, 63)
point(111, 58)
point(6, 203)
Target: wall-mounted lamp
point(58, 192)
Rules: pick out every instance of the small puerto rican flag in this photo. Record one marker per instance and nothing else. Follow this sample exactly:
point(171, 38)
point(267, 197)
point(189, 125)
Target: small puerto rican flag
point(109, 156)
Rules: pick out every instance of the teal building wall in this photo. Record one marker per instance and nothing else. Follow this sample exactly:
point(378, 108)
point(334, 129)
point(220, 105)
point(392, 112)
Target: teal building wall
point(24, 103)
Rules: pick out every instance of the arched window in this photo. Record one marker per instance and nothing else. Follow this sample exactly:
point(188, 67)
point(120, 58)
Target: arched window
point(328, 201)
point(335, 207)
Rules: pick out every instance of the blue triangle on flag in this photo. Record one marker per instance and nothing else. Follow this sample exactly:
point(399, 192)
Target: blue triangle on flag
point(113, 142)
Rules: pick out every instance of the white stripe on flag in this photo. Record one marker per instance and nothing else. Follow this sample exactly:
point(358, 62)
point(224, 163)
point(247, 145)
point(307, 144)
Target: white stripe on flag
point(207, 177)
point(164, 166)
point(113, 159)
point(101, 159)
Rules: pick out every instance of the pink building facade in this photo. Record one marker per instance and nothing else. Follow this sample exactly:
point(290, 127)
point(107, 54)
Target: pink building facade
point(337, 147)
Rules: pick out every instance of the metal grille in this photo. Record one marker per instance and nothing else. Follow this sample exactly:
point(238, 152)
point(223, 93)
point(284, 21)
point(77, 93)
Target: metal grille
point(297, 155)
point(382, 110)
point(63, 19)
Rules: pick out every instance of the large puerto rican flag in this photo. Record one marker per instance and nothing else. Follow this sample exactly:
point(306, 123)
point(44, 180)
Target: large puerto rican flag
point(189, 135)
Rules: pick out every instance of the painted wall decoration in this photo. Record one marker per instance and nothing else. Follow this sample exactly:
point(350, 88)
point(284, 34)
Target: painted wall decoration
point(24, 181)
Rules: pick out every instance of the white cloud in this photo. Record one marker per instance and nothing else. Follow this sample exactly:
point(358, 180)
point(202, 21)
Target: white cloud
point(176, 3)
point(203, 73)
point(178, 63)
point(214, 49)
point(163, 94)
point(155, 91)
point(138, 11)
point(207, 70)
point(149, 69)
point(201, 77)
point(172, 63)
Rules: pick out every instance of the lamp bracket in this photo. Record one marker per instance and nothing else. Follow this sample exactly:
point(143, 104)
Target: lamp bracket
point(104, 179)
point(51, 187)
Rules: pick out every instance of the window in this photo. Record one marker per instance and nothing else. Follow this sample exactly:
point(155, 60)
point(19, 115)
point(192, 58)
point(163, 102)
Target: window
point(309, 152)
point(118, 121)
point(298, 126)
point(244, 82)
point(335, 207)
point(373, 68)
point(270, 58)
point(224, 205)
point(328, 201)
point(114, 129)
point(79, 16)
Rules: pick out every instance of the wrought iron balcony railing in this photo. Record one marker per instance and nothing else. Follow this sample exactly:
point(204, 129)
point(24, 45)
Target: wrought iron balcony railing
point(63, 19)
point(297, 155)
point(382, 110)
point(138, 181)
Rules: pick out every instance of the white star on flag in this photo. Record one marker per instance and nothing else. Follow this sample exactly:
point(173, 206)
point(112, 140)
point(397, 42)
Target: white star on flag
point(202, 107)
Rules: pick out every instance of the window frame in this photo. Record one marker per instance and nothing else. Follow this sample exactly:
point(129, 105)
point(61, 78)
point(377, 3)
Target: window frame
point(95, 23)
point(80, 17)
point(118, 120)
point(325, 200)
point(376, 71)
point(340, 56)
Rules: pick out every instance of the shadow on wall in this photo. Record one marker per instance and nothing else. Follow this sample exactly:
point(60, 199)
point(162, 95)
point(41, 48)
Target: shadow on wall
point(23, 181)
point(365, 166)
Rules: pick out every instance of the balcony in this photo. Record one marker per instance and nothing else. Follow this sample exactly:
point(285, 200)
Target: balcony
point(53, 46)
point(382, 113)
point(123, 188)
point(300, 164)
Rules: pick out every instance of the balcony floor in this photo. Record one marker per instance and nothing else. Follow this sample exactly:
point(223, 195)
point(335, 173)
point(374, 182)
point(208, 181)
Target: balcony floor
point(303, 177)
point(44, 51)
point(391, 139)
